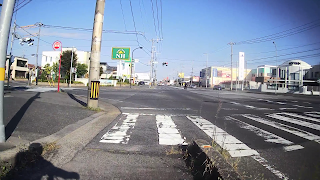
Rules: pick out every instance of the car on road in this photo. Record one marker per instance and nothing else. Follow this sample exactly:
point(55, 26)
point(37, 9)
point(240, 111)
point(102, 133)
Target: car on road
point(141, 83)
point(217, 87)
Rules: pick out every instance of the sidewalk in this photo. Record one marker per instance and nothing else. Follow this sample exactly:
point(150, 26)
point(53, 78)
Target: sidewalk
point(56, 123)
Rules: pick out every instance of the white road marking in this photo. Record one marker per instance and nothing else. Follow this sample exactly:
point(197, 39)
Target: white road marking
point(295, 121)
point(283, 127)
point(167, 130)
point(282, 103)
point(265, 164)
point(293, 148)
point(229, 109)
point(158, 109)
point(119, 134)
point(286, 108)
point(146, 114)
point(235, 147)
point(41, 89)
point(307, 102)
point(302, 106)
point(294, 101)
point(313, 114)
point(251, 107)
point(269, 137)
point(302, 117)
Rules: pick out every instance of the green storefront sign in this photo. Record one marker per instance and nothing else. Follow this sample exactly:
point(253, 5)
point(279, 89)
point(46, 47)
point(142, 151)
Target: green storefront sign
point(120, 53)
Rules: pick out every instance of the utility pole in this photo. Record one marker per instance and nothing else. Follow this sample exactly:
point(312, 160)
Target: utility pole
point(71, 67)
point(152, 60)
point(5, 21)
point(96, 50)
point(275, 90)
point(9, 61)
point(231, 44)
point(37, 53)
point(206, 71)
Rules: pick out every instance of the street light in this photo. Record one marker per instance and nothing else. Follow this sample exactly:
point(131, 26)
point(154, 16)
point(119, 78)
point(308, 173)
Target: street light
point(275, 46)
point(131, 64)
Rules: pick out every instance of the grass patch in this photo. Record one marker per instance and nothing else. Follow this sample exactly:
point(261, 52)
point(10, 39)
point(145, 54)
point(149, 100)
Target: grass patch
point(94, 109)
point(173, 151)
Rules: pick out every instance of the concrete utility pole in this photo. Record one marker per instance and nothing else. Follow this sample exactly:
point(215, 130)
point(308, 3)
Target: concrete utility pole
point(9, 61)
point(231, 44)
point(153, 51)
point(275, 90)
point(37, 53)
point(96, 50)
point(206, 71)
point(5, 21)
point(71, 67)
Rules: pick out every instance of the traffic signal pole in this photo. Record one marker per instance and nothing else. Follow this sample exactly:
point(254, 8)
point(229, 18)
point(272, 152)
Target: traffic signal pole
point(5, 21)
point(94, 72)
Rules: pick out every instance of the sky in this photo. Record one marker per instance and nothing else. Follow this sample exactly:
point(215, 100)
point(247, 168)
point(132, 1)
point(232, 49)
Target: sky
point(187, 28)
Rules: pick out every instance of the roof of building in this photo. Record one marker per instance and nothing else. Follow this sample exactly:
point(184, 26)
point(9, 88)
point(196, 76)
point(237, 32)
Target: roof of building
point(296, 62)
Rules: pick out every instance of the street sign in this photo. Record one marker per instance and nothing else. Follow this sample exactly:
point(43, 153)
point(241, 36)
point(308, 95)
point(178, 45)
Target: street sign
point(56, 45)
point(120, 53)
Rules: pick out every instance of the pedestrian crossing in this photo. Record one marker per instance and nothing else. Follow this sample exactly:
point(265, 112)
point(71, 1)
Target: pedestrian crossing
point(170, 134)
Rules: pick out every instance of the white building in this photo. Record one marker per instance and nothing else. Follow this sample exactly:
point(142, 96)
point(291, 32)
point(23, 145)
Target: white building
point(124, 69)
point(145, 77)
point(50, 57)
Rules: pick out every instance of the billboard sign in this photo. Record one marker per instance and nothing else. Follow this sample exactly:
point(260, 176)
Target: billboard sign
point(241, 66)
point(195, 79)
point(120, 53)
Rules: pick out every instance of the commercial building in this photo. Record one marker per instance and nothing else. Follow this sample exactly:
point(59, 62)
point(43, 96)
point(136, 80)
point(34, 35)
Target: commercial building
point(50, 57)
point(217, 75)
point(18, 68)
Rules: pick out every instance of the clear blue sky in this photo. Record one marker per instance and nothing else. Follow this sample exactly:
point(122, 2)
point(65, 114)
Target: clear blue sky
point(189, 28)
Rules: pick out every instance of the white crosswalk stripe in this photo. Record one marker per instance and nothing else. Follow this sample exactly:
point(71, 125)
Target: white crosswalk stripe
point(168, 132)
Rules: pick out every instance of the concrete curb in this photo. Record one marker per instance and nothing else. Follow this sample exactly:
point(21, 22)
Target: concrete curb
point(224, 168)
point(70, 137)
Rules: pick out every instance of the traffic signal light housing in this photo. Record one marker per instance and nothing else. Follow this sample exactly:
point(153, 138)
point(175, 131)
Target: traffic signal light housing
point(164, 63)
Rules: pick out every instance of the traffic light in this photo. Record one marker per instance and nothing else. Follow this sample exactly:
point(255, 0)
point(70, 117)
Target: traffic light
point(164, 63)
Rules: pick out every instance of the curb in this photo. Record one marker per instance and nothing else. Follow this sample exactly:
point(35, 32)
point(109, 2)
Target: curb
point(206, 158)
point(81, 127)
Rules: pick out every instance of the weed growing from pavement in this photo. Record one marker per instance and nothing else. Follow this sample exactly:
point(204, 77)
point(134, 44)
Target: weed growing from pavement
point(94, 109)
point(173, 151)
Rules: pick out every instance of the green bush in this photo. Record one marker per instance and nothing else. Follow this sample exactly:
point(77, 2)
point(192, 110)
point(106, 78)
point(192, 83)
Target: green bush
point(76, 82)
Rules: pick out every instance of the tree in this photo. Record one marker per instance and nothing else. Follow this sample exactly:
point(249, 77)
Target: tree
point(55, 69)
point(47, 71)
point(66, 62)
point(101, 71)
point(82, 69)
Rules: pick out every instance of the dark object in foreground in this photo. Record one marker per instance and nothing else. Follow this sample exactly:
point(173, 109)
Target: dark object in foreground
point(201, 166)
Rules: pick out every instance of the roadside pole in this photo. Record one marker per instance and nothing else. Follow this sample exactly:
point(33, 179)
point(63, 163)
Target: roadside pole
point(95, 52)
point(38, 54)
point(9, 61)
point(5, 21)
point(231, 44)
point(71, 67)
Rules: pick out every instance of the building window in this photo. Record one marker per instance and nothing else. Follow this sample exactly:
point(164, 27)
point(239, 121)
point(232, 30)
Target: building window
point(50, 59)
point(311, 74)
point(316, 74)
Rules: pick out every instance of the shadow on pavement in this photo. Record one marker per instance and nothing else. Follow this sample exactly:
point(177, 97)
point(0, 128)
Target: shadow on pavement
point(79, 101)
point(30, 164)
point(11, 126)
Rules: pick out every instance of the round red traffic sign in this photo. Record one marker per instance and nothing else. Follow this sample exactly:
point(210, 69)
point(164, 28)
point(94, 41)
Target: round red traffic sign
point(56, 45)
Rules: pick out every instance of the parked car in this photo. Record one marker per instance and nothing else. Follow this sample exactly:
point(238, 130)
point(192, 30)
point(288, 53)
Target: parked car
point(141, 83)
point(217, 87)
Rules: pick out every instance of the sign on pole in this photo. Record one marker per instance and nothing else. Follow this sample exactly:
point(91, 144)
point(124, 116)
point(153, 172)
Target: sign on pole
point(120, 53)
point(56, 45)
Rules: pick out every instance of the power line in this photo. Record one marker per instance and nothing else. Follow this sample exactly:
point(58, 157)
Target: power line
point(141, 16)
point(22, 6)
point(154, 20)
point(134, 23)
point(32, 34)
point(158, 17)
point(125, 26)
point(283, 34)
point(161, 19)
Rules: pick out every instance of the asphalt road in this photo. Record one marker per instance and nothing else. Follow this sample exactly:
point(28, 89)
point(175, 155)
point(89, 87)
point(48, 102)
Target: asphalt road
point(268, 136)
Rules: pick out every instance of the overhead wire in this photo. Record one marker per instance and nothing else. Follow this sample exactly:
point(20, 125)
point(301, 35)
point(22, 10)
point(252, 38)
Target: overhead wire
point(158, 18)
point(283, 34)
point(124, 21)
point(161, 19)
point(15, 10)
point(134, 23)
point(32, 34)
point(154, 20)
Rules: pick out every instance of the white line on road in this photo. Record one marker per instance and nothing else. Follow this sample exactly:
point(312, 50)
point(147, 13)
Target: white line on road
point(283, 127)
point(119, 134)
point(286, 108)
point(302, 106)
point(293, 148)
point(251, 107)
point(295, 121)
point(269, 137)
point(313, 114)
point(265, 164)
point(235, 147)
point(157, 109)
point(299, 116)
point(167, 130)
